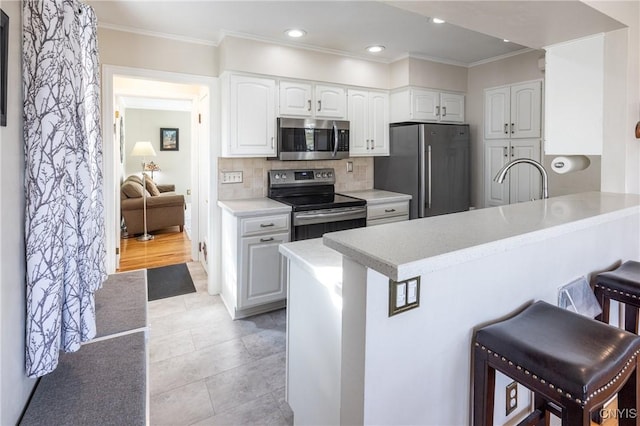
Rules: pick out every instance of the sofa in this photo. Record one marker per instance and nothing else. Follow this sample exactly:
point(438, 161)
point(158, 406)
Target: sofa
point(165, 208)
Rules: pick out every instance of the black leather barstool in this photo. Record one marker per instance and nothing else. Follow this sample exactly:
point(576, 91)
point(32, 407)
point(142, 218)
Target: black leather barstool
point(566, 359)
point(622, 285)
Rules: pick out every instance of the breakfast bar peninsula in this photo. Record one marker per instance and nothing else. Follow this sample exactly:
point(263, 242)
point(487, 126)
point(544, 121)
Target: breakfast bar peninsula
point(352, 360)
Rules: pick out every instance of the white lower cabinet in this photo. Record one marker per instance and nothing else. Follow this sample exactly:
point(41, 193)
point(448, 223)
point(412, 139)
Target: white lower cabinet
point(523, 182)
point(253, 272)
point(378, 214)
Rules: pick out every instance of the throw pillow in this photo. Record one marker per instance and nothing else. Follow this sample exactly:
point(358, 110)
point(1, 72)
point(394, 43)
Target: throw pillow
point(132, 189)
point(151, 186)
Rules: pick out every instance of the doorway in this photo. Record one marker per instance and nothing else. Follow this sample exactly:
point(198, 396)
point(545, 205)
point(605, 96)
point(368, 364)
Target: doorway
point(125, 88)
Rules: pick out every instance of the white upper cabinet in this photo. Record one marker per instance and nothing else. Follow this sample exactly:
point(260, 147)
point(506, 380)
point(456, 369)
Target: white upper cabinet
point(513, 111)
point(368, 114)
point(302, 99)
point(416, 104)
point(575, 98)
point(248, 116)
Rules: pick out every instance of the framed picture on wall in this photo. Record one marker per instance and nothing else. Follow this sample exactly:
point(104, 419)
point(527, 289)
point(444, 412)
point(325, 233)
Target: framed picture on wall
point(169, 139)
point(4, 56)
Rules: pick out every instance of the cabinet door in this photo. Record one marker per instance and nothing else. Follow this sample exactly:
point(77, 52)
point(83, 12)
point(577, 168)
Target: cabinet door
point(379, 123)
point(330, 102)
point(496, 155)
point(451, 107)
point(358, 123)
point(295, 99)
point(497, 113)
point(525, 110)
point(425, 105)
point(262, 270)
point(524, 180)
point(252, 116)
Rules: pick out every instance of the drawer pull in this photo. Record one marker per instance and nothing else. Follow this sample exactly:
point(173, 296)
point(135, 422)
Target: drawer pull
point(389, 210)
point(266, 240)
point(266, 225)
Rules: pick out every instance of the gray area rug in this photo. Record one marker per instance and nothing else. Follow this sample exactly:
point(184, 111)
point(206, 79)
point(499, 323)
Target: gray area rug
point(121, 303)
point(169, 281)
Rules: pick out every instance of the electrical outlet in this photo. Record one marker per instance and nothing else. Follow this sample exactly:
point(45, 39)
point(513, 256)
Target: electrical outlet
point(349, 166)
point(403, 295)
point(511, 399)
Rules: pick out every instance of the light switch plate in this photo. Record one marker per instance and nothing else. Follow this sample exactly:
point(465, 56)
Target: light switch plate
point(403, 295)
point(231, 177)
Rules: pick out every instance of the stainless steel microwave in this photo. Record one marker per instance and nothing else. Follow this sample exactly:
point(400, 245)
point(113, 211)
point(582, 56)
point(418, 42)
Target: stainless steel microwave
point(309, 139)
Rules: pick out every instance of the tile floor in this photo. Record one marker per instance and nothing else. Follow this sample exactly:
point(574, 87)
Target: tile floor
point(206, 369)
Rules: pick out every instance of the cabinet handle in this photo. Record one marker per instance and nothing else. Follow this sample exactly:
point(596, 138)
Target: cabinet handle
point(505, 151)
point(319, 105)
point(444, 111)
point(437, 110)
point(513, 126)
point(389, 210)
point(272, 140)
point(367, 144)
point(373, 145)
point(512, 153)
point(266, 225)
point(266, 240)
point(309, 105)
point(506, 128)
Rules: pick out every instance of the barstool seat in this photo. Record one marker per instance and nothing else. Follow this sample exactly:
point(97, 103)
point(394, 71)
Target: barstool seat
point(564, 358)
point(622, 285)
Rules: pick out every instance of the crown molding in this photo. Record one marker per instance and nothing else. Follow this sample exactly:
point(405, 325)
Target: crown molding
point(501, 57)
point(132, 30)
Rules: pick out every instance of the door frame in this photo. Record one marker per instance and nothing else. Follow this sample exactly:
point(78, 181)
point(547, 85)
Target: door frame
point(111, 151)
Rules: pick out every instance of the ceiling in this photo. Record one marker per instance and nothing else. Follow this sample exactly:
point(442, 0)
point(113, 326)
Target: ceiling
point(405, 28)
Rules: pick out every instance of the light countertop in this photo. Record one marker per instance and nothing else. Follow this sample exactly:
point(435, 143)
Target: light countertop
point(253, 207)
point(378, 196)
point(323, 263)
point(411, 248)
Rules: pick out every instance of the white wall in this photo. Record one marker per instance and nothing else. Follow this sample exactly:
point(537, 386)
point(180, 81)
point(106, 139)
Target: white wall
point(14, 385)
point(144, 125)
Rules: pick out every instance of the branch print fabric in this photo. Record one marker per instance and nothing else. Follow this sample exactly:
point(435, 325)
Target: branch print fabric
point(64, 225)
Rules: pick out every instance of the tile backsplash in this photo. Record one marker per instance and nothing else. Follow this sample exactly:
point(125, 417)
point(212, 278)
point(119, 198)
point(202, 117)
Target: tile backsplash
point(254, 175)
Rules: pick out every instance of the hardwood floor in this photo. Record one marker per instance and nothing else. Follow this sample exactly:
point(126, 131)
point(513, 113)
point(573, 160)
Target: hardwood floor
point(168, 247)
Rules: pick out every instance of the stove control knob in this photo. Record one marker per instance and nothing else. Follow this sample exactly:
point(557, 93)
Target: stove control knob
point(324, 174)
point(284, 176)
point(329, 174)
point(318, 175)
point(277, 176)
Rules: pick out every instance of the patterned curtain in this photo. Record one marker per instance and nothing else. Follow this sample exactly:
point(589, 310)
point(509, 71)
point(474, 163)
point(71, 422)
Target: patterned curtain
point(64, 225)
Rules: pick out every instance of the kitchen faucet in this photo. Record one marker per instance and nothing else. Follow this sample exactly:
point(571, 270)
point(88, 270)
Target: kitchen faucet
point(502, 174)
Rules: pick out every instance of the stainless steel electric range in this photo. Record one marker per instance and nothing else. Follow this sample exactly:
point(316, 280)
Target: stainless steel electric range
point(316, 208)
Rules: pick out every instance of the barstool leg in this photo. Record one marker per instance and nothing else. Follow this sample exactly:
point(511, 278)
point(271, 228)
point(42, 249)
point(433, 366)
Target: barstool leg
point(629, 400)
point(575, 415)
point(484, 383)
point(604, 304)
point(631, 318)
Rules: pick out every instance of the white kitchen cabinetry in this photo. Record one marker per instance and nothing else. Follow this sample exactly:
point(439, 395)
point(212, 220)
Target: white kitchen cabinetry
point(415, 104)
point(253, 270)
point(396, 211)
point(248, 116)
point(513, 111)
point(368, 114)
point(523, 182)
point(303, 99)
point(576, 101)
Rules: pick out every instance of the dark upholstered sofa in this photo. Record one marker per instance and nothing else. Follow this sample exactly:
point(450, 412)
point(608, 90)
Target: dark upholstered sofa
point(165, 208)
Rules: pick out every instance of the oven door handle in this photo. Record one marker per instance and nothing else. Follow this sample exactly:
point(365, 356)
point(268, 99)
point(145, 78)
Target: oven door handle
point(310, 219)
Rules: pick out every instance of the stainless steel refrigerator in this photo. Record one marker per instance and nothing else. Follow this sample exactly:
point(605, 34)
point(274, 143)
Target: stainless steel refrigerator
point(431, 163)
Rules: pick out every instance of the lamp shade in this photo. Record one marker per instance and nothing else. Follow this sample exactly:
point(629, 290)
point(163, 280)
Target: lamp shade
point(143, 149)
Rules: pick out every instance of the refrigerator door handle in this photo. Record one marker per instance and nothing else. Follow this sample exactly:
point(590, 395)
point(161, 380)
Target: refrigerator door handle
point(429, 184)
point(423, 173)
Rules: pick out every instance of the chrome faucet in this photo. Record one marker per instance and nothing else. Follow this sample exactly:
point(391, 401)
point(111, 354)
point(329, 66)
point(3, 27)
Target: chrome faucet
point(502, 174)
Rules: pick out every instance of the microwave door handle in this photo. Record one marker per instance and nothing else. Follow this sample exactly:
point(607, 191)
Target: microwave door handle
point(335, 139)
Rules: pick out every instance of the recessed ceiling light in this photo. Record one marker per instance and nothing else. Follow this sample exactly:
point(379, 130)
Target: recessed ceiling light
point(375, 49)
point(295, 33)
point(505, 40)
point(438, 21)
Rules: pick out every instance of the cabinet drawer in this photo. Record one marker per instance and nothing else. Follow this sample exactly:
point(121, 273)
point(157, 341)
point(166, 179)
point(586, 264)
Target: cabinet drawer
point(400, 208)
point(264, 224)
point(382, 220)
